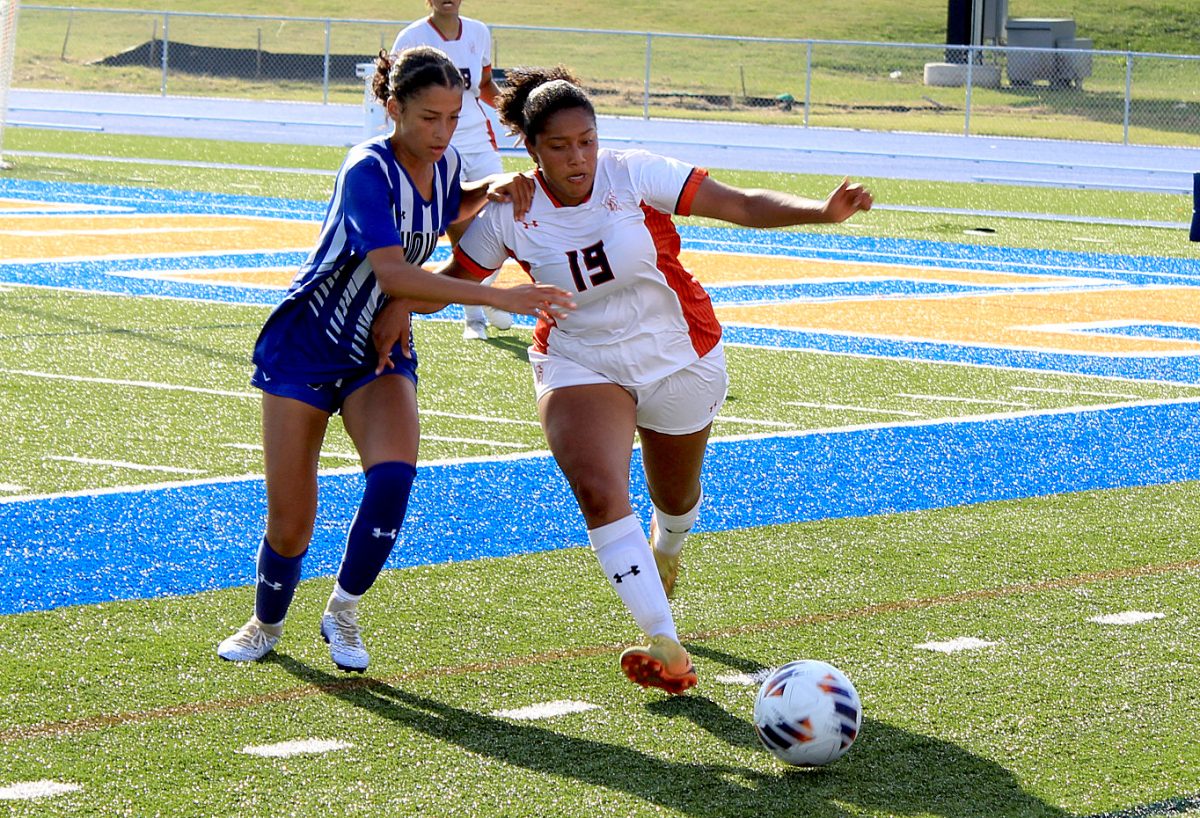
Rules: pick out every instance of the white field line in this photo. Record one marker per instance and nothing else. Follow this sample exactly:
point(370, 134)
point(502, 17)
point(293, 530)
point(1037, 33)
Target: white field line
point(258, 447)
point(1051, 391)
point(117, 231)
point(174, 387)
point(1126, 618)
point(745, 679)
point(473, 440)
point(27, 790)
point(868, 409)
point(958, 644)
point(755, 422)
point(545, 455)
point(11, 487)
point(956, 399)
point(287, 749)
point(122, 464)
point(547, 710)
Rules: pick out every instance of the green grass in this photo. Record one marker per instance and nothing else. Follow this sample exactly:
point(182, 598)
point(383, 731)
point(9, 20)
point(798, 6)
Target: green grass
point(1062, 717)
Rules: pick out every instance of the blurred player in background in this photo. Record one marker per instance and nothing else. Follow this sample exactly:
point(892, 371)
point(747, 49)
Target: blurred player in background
point(642, 352)
point(468, 43)
point(392, 199)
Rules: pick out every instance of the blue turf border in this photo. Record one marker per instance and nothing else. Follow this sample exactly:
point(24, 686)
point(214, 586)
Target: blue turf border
point(143, 544)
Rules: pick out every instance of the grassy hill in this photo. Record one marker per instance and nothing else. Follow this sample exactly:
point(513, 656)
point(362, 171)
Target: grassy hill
point(1169, 26)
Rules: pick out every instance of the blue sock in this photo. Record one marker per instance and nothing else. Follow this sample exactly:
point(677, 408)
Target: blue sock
point(278, 577)
point(376, 525)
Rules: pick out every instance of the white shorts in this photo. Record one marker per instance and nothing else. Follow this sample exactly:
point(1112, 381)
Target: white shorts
point(684, 402)
point(480, 163)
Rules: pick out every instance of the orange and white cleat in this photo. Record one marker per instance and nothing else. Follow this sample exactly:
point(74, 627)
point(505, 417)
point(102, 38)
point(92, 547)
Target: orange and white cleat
point(663, 664)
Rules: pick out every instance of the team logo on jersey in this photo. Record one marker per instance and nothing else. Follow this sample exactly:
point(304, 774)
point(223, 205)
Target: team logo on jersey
point(610, 201)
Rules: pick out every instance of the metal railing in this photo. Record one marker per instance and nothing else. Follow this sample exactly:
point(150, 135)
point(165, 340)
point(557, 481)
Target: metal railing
point(1112, 96)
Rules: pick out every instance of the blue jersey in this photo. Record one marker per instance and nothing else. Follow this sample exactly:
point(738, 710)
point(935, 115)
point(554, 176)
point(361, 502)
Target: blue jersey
point(322, 330)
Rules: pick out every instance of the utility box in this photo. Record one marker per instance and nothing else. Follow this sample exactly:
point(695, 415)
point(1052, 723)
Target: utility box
point(1046, 34)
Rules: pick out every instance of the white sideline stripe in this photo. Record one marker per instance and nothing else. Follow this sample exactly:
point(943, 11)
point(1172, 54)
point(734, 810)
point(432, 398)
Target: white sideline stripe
point(755, 422)
point(745, 679)
point(121, 464)
point(286, 749)
point(543, 454)
point(957, 644)
point(1074, 392)
point(257, 447)
point(807, 405)
point(25, 790)
point(955, 399)
point(478, 441)
point(229, 393)
point(11, 487)
point(1126, 618)
point(548, 710)
point(116, 231)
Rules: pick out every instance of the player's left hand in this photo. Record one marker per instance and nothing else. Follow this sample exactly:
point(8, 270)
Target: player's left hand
point(392, 323)
point(516, 188)
point(846, 200)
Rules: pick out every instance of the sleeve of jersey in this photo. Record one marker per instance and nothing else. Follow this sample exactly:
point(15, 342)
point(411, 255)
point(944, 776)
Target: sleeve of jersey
point(481, 250)
point(665, 184)
point(367, 211)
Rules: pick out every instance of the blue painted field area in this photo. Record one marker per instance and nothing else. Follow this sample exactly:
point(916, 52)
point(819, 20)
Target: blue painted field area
point(189, 538)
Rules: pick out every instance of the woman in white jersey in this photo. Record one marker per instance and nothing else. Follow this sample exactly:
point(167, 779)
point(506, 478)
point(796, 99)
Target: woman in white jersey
point(641, 353)
point(468, 44)
point(392, 198)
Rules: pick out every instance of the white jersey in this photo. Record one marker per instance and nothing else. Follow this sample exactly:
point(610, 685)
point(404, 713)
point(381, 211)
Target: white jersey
point(471, 52)
point(640, 316)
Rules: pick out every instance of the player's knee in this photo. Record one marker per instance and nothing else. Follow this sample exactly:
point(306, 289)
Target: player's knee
point(599, 496)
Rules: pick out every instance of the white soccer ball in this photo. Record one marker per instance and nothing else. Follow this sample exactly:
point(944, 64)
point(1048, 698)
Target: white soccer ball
point(807, 713)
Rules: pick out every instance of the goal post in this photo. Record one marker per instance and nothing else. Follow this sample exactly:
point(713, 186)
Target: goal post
point(8, 47)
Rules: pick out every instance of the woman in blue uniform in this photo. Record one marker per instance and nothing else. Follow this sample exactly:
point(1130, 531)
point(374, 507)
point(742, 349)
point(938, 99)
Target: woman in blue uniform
point(392, 199)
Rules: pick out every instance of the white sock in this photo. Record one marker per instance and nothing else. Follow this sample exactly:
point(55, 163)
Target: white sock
point(673, 529)
point(340, 599)
point(624, 554)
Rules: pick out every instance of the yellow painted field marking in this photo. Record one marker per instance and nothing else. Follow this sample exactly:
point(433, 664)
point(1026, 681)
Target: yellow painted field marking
point(1017, 320)
point(74, 236)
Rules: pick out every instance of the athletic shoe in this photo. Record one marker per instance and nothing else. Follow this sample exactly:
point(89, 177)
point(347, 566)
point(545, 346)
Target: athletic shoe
point(340, 630)
point(499, 319)
point(667, 564)
point(253, 641)
point(475, 330)
point(663, 664)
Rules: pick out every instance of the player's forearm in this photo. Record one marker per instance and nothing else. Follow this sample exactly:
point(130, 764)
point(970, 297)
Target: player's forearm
point(769, 208)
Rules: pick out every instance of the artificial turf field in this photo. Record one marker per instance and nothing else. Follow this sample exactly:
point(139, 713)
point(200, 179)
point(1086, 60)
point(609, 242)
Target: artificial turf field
point(926, 443)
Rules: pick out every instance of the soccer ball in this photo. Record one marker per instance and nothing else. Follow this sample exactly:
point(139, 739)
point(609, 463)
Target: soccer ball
point(807, 713)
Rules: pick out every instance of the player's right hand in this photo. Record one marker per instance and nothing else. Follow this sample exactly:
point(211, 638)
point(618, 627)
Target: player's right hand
point(541, 300)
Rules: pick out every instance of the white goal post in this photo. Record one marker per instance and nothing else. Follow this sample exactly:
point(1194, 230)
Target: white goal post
point(8, 47)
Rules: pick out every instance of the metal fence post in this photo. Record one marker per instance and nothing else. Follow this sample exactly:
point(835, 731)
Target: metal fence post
point(646, 87)
point(325, 77)
point(970, 84)
point(166, 43)
point(1128, 92)
point(807, 80)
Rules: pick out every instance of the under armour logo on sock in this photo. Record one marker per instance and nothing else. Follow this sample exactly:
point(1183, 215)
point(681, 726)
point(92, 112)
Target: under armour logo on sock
point(274, 586)
point(379, 532)
point(672, 531)
point(633, 571)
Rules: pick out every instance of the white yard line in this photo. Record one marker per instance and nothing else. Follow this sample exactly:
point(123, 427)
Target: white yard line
point(839, 406)
point(548, 710)
point(117, 231)
point(121, 464)
point(958, 644)
point(27, 790)
point(956, 399)
point(1126, 618)
point(1051, 391)
point(756, 422)
point(287, 749)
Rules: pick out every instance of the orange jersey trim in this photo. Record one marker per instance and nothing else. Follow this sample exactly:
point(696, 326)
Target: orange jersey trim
point(683, 205)
point(471, 265)
point(703, 327)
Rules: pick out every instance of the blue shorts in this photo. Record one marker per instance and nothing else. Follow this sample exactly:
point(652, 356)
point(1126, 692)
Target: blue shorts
point(330, 395)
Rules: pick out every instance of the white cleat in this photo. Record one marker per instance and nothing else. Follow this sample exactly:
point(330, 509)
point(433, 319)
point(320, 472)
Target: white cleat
point(253, 641)
point(340, 630)
point(499, 319)
point(475, 330)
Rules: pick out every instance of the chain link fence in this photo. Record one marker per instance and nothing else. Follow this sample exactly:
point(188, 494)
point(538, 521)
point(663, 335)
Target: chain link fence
point(1127, 97)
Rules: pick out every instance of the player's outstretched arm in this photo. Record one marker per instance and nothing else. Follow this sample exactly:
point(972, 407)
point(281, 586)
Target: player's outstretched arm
point(770, 208)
